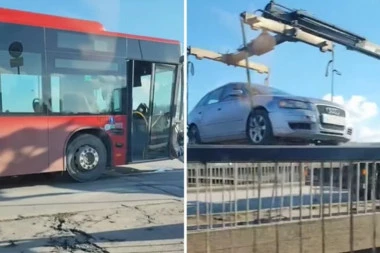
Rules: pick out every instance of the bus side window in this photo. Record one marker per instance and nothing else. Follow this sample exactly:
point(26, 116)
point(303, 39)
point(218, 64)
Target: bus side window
point(19, 93)
point(21, 87)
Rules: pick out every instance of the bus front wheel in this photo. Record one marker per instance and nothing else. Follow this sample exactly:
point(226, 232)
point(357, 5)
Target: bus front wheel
point(86, 158)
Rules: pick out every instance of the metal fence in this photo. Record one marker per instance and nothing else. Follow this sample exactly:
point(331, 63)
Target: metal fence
point(231, 186)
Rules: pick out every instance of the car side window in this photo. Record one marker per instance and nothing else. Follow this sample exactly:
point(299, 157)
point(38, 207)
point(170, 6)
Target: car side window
point(226, 94)
point(228, 90)
point(214, 97)
point(202, 101)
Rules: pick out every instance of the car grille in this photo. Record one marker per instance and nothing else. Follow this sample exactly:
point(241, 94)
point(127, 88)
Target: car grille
point(331, 110)
point(325, 109)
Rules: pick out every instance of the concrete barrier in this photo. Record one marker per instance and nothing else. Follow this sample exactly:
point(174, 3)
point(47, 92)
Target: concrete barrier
point(324, 236)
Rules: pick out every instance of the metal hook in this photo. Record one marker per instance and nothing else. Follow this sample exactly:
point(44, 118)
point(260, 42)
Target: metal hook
point(190, 66)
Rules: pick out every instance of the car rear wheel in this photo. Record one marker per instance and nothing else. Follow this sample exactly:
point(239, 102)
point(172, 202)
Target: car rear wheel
point(193, 134)
point(86, 158)
point(259, 128)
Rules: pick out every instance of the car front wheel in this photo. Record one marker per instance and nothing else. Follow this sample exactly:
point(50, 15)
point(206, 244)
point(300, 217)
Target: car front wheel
point(259, 128)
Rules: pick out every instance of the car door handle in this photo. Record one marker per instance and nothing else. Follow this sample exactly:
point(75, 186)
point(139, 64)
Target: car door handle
point(199, 112)
point(219, 109)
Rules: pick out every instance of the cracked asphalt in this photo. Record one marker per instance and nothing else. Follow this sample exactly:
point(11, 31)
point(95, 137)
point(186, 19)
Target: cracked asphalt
point(139, 211)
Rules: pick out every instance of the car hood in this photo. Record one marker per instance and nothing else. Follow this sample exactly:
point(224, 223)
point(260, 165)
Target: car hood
point(311, 100)
point(325, 102)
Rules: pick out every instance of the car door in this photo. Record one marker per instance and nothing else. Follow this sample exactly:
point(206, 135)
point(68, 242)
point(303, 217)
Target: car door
point(210, 125)
point(234, 109)
point(195, 115)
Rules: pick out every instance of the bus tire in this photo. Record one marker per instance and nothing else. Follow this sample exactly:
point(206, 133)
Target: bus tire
point(86, 158)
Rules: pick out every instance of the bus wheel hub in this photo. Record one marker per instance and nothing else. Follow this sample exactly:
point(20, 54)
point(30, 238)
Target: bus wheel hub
point(88, 158)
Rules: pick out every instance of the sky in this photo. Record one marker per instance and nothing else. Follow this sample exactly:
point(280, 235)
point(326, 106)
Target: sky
point(296, 68)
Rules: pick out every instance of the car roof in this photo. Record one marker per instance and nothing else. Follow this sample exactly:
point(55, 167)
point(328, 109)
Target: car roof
point(261, 87)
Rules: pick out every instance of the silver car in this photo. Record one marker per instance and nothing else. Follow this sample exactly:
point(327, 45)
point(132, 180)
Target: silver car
point(264, 115)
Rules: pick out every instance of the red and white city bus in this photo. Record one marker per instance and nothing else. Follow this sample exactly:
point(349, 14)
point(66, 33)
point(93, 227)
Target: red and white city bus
point(78, 98)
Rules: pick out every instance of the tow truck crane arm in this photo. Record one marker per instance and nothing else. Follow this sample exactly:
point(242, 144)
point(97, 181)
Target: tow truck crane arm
point(297, 25)
point(224, 58)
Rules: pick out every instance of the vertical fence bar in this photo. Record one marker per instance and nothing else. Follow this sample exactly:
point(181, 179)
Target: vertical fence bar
point(259, 194)
point(276, 176)
point(300, 172)
point(331, 188)
point(311, 189)
point(247, 195)
point(197, 194)
point(235, 193)
point(211, 204)
point(357, 186)
point(254, 170)
point(282, 188)
point(349, 187)
point(350, 176)
point(207, 177)
point(366, 187)
point(231, 190)
point(373, 200)
point(373, 186)
point(223, 198)
point(340, 187)
point(291, 192)
point(321, 185)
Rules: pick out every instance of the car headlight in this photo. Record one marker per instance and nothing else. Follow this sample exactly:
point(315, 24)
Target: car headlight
point(293, 104)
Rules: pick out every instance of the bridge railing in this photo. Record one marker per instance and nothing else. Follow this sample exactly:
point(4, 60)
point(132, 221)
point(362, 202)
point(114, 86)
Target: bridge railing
point(231, 186)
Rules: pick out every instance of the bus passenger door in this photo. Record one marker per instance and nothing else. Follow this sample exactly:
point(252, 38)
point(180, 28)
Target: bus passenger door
point(152, 87)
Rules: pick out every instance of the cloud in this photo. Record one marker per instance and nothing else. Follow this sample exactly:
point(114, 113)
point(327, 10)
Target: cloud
point(109, 12)
point(361, 116)
point(368, 134)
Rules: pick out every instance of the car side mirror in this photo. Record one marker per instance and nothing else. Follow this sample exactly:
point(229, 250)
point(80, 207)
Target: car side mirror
point(235, 93)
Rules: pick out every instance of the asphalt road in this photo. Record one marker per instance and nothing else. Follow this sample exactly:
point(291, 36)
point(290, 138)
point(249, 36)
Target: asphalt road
point(131, 209)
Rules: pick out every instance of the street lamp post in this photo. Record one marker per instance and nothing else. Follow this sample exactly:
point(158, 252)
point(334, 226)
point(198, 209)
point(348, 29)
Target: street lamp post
point(333, 72)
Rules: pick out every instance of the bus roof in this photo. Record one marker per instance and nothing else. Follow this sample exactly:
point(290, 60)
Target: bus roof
point(68, 24)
